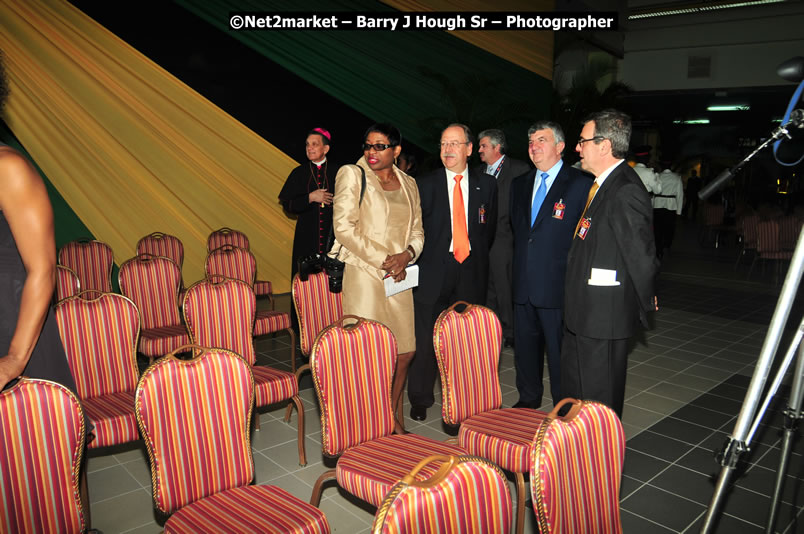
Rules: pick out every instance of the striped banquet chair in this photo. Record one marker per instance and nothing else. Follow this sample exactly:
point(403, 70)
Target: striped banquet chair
point(152, 282)
point(100, 340)
point(576, 467)
point(67, 283)
point(466, 494)
point(221, 314)
point(316, 306)
point(467, 347)
point(159, 244)
point(194, 417)
point(41, 445)
point(352, 369)
point(227, 236)
point(92, 261)
point(239, 264)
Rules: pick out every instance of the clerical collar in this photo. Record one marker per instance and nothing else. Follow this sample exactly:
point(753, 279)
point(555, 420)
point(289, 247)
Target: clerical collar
point(319, 163)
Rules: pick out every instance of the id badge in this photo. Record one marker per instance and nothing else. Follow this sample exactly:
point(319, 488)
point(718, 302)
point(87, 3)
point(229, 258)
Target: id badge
point(586, 223)
point(481, 214)
point(558, 209)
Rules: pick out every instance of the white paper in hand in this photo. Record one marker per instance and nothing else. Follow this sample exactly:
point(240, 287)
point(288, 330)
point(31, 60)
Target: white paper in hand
point(411, 280)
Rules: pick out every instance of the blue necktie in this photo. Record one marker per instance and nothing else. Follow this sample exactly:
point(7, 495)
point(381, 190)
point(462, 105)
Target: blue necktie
point(538, 198)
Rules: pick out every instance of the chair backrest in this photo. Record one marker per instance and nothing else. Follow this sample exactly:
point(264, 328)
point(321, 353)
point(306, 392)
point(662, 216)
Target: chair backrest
point(789, 228)
point(352, 368)
point(227, 236)
point(316, 306)
point(467, 347)
point(221, 314)
point(232, 262)
point(152, 282)
point(768, 237)
point(67, 283)
point(576, 467)
point(100, 339)
point(750, 225)
point(159, 244)
point(41, 445)
point(466, 494)
point(194, 417)
point(713, 214)
point(92, 261)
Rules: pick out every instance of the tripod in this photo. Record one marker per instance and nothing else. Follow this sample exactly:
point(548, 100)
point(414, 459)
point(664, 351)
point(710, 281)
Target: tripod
point(744, 429)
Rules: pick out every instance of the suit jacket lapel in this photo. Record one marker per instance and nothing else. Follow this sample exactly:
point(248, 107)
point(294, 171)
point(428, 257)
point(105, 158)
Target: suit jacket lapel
point(474, 203)
point(600, 196)
point(556, 192)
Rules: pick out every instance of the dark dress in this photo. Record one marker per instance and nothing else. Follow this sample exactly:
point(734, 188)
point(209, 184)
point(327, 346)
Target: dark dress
point(314, 221)
point(48, 360)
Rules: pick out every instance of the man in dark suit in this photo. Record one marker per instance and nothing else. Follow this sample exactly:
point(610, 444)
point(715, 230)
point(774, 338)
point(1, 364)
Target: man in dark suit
point(459, 215)
point(491, 148)
point(546, 203)
point(611, 267)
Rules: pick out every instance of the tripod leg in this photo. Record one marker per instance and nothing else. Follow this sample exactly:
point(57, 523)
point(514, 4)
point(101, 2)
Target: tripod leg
point(792, 416)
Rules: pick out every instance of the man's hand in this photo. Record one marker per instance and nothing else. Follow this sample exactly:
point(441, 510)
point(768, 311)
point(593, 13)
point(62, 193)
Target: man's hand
point(321, 196)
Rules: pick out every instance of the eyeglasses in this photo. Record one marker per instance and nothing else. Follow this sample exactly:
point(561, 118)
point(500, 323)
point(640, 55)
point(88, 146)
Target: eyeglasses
point(452, 145)
point(581, 140)
point(379, 147)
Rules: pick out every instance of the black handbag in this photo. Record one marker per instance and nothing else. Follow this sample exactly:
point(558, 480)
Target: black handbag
point(333, 266)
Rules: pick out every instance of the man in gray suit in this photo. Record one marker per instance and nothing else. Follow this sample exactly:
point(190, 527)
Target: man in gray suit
point(491, 148)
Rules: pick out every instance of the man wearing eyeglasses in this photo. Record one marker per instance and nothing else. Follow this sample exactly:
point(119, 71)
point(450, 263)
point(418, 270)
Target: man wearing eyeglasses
point(610, 269)
point(459, 216)
point(546, 203)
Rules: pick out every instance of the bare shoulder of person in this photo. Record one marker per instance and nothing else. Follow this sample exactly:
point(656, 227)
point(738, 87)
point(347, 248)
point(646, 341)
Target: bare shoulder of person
point(17, 176)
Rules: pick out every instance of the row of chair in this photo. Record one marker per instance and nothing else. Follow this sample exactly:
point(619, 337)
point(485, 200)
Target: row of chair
point(768, 240)
point(194, 417)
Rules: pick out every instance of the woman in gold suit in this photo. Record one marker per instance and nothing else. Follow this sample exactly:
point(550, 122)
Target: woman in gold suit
point(378, 237)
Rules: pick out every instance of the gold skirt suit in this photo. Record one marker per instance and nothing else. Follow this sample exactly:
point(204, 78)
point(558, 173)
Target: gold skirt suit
point(384, 223)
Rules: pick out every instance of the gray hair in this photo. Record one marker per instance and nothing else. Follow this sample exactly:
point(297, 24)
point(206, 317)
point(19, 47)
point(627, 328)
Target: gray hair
point(616, 127)
point(558, 133)
point(496, 137)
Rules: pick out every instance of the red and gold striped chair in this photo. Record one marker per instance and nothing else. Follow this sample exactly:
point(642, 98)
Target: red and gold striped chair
point(316, 306)
point(239, 264)
point(152, 282)
point(100, 340)
point(67, 283)
point(467, 347)
point(194, 417)
point(41, 445)
point(159, 244)
point(92, 261)
point(466, 494)
point(352, 369)
point(227, 236)
point(221, 314)
point(576, 467)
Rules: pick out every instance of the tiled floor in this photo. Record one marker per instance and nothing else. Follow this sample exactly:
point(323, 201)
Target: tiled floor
point(686, 382)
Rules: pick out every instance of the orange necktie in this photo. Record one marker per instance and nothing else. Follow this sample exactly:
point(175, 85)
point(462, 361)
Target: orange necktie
point(460, 236)
point(588, 201)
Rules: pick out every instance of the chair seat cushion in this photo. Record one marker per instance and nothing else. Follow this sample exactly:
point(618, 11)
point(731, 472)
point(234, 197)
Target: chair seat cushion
point(163, 340)
point(262, 287)
point(502, 436)
point(257, 509)
point(270, 321)
point(273, 385)
point(368, 470)
point(113, 417)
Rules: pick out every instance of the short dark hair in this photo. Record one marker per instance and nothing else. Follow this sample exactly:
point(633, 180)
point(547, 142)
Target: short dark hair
point(3, 82)
point(466, 131)
point(388, 130)
point(616, 127)
point(497, 138)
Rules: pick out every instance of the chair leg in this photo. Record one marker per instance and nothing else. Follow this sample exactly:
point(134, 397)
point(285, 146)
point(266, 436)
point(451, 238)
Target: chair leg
point(300, 408)
point(292, 350)
point(84, 491)
point(520, 502)
point(315, 498)
point(256, 418)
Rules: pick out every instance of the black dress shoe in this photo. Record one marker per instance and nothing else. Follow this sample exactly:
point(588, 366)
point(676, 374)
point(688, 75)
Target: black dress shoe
point(524, 404)
point(418, 412)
